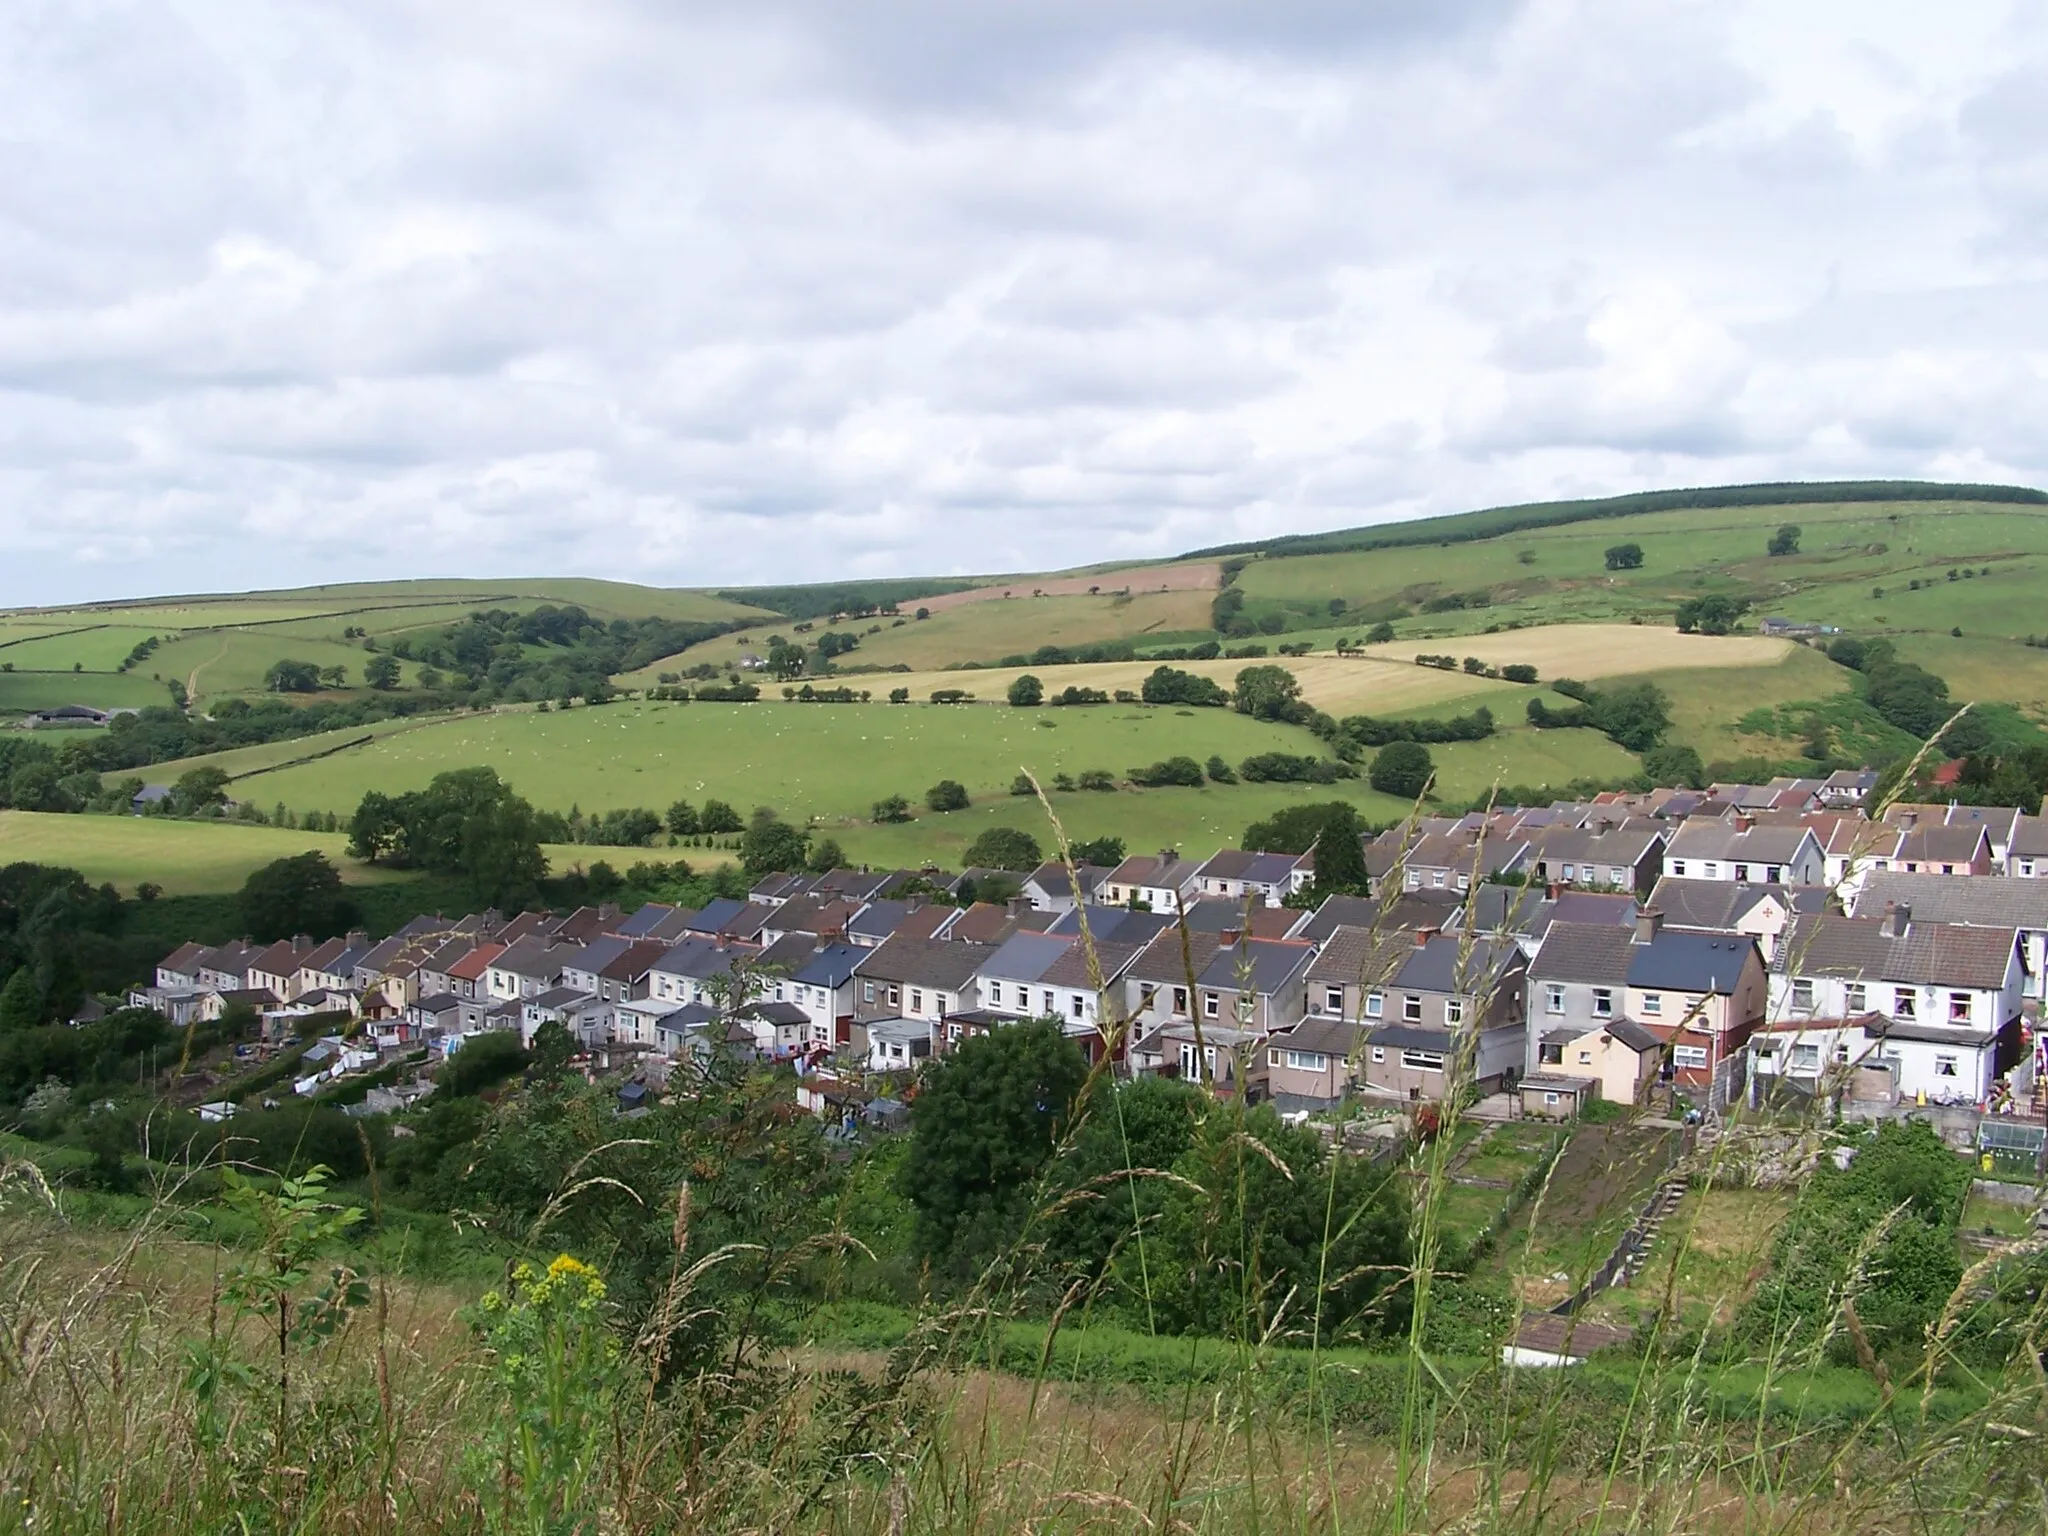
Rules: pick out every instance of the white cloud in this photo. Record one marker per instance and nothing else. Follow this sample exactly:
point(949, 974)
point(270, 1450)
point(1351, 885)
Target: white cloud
point(783, 290)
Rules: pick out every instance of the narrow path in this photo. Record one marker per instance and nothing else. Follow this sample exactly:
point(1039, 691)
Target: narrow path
point(192, 679)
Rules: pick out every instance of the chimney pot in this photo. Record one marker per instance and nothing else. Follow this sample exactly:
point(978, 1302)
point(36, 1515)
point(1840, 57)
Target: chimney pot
point(1649, 922)
point(1553, 889)
point(1744, 821)
point(1424, 935)
point(1898, 919)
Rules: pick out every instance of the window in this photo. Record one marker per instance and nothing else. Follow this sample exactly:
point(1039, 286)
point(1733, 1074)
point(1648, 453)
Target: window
point(1411, 1008)
point(1805, 1057)
point(1678, 868)
point(1653, 1002)
point(1212, 1005)
point(1585, 1058)
point(1422, 1061)
point(1308, 1061)
point(1045, 1004)
point(1570, 870)
point(1333, 1000)
point(917, 1000)
point(1074, 1006)
point(1742, 873)
point(1802, 996)
point(1180, 1000)
point(1436, 877)
point(1855, 998)
point(1454, 1010)
point(1464, 882)
point(1944, 1066)
point(895, 997)
point(1603, 1002)
point(1711, 869)
point(1959, 1007)
point(1776, 874)
point(1379, 1053)
point(1553, 997)
point(1689, 1056)
point(1550, 1055)
point(867, 991)
point(1375, 1005)
point(1903, 1001)
point(1549, 1101)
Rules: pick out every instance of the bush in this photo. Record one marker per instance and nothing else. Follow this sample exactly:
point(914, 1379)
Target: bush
point(1624, 557)
point(1518, 672)
point(1292, 768)
point(1402, 768)
point(950, 696)
point(1021, 785)
point(1170, 685)
point(1096, 779)
point(1173, 770)
point(1026, 691)
point(1077, 695)
point(893, 809)
point(1003, 848)
point(1219, 771)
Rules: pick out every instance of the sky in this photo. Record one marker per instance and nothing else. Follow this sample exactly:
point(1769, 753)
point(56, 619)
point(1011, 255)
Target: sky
point(718, 292)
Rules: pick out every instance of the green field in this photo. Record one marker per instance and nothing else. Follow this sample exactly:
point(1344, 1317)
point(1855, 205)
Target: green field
point(23, 691)
point(199, 858)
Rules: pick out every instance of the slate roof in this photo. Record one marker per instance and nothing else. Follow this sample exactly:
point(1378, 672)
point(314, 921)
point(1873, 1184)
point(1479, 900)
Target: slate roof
point(1447, 964)
point(1943, 845)
point(1272, 964)
point(1397, 910)
point(1715, 904)
point(771, 1012)
point(1253, 868)
point(1585, 952)
point(1623, 844)
point(1152, 870)
point(812, 913)
point(1223, 914)
point(830, 966)
point(185, 958)
point(1359, 957)
point(1333, 1037)
point(560, 997)
point(639, 924)
point(536, 957)
point(1685, 961)
point(1979, 903)
point(1926, 954)
point(717, 913)
point(879, 918)
point(1120, 924)
point(943, 966)
point(1052, 879)
point(698, 957)
point(596, 955)
point(1026, 957)
point(1703, 838)
point(2029, 838)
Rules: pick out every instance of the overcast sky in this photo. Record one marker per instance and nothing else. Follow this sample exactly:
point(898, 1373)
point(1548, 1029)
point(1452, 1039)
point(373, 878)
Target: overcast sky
point(765, 290)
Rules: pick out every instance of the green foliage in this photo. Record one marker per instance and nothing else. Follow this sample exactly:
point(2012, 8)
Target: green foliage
point(717, 819)
point(983, 1127)
point(1373, 731)
point(467, 822)
point(946, 795)
point(1171, 685)
point(300, 894)
point(1624, 557)
point(1003, 848)
point(1298, 828)
point(1882, 1231)
point(483, 1062)
point(771, 845)
point(1632, 715)
point(1677, 767)
point(1173, 770)
point(1785, 541)
point(1403, 769)
point(1714, 614)
point(1293, 768)
point(287, 676)
point(555, 1376)
point(199, 790)
point(1269, 693)
point(1026, 692)
point(1340, 852)
point(1380, 633)
point(1218, 771)
point(890, 809)
point(1104, 852)
point(381, 672)
point(826, 856)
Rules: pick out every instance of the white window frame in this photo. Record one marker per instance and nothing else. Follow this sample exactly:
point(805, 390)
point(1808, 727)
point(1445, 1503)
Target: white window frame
point(1689, 1057)
point(1553, 997)
point(1308, 1061)
point(1212, 1005)
point(1905, 1002)
point(1855, 998)
point(1802, 994)
point(1422, 1061)
point(1961, 1007)
point(1946, 1065)
point(1454, 1010)
point(1411, 1008)
point(1678, 869)
point(1375, 1005)
point(1333, 1000)
point(1379, 1053)
point(1603, 1002)
point(1653, 1002)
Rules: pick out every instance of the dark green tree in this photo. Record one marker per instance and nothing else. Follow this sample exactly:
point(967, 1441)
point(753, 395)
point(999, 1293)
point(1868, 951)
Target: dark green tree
point(198, 790)
point(21, 1002)
point(771, 845)
point(718, 818)
point(286, 676)
point(1268, 693)
point(826, 856)
point(1624, 557)
point(946, 795)
point(299, 894)
point(1785, 541)
point(1003, 848)
point(1401, 768)
point(983, 1127)
point(1027, 691)
point(381, 672)
point(1380, 633)
point(681, 819)
point(1340, 852)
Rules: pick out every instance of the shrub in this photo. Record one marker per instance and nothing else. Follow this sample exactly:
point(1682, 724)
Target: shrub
point(1624, 557)
point(951, 696)
point(1518, 672)
point(1402, 768)
point(1021, 785)
point(1077, 695)
point(1292, 768)
point(892, 809)
point(1096, 779)
point(1380, 633)
point(947, 795)
point(1219, 771)
point(1172, 770)
point(1003, 848)
point(1785, 541)
point(1170, 685)
point(1026, 691)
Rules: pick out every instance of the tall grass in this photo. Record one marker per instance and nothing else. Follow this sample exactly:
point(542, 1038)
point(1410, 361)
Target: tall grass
point(152, 1383)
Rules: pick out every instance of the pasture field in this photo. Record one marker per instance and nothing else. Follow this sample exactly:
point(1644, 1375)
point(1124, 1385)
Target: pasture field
point(23, 691)
point(1979, 670)
point(186, 858)
point(236, 762)
point(205, 858)
point(101, 648)
point(230, 661)
point(1847, 552)
point(831, 763)
point(1387, 681)
point(1721, 1240)
point(1706, 705)
point(1137, 580)
point(983, 631)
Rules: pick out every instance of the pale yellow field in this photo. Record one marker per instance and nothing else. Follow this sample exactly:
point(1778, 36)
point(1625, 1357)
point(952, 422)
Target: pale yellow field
point(1190, 576)
point(1386, 678)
